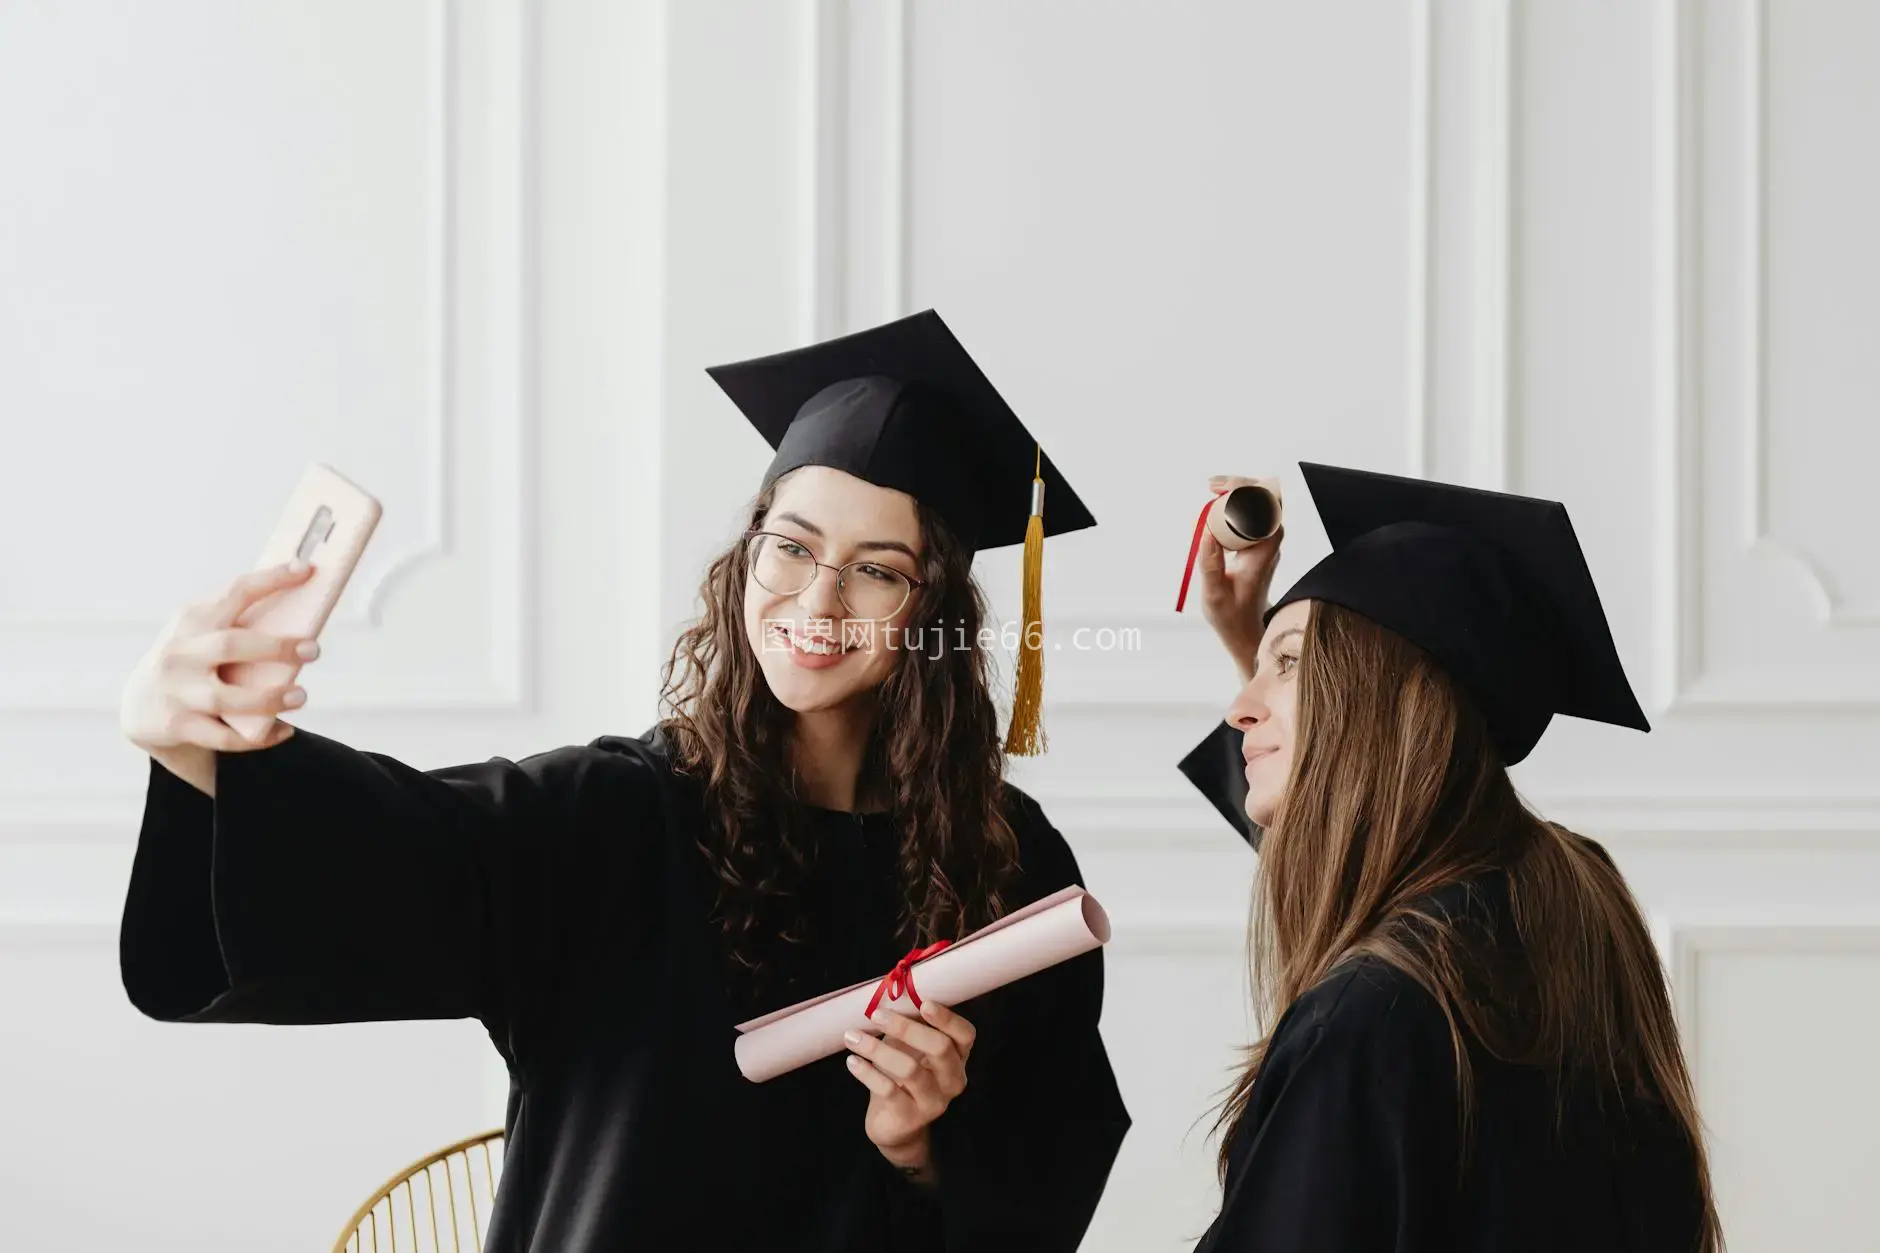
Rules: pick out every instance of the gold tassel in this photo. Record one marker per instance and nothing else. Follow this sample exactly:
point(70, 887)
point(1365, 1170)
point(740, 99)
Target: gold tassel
point(1025, 736)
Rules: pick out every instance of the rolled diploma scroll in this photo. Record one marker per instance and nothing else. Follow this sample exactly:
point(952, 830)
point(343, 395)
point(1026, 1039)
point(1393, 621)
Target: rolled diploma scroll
point(1244, 516)
point(1063, 925)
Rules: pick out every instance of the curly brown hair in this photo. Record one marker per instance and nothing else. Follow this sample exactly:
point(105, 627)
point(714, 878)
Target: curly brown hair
point(933, 754)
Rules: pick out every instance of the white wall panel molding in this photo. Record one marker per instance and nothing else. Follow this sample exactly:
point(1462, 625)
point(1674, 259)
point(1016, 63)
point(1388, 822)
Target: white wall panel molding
point(474, 447)
point(1164, 935)
point(1775, 1011)
point(365, 604)
point(1675, 817)
point(1712, 245)
point(1420, 246)
point(1692, 940)
point(1494, 450)
point(1178, 821)
point(63, 824)
point(1819, 584)
point(856, 217)
point(1161, 935)
point(1814, 822)
point(21, 934)
point(1178, 667)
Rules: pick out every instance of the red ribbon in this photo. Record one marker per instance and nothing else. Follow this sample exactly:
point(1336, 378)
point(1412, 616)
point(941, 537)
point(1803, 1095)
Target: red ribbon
point(1194, 547)
point(901, 978)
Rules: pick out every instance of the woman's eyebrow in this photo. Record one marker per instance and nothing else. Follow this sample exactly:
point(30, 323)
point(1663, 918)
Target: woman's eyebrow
point(888, 545)
point(1285, 635)
point(803, 522)
point(873, 545)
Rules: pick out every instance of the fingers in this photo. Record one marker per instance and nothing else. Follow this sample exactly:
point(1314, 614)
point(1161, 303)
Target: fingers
point(871, 1078)
point(213, 696)
point(1211, 560)
point(1218, 483)
point(235, 644)
point(960, 1031)
point(920, 1038)
point(233, 698)
point(897, 1063)
point(921, 1059)
point(208, 731)
point(255, 586)
point(931, 1090)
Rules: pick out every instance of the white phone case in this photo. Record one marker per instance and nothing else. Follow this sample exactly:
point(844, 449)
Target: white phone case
point(327, 523)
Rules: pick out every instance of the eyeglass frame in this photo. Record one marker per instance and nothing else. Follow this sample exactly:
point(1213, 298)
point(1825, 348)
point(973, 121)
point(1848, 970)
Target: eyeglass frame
point(914, 584)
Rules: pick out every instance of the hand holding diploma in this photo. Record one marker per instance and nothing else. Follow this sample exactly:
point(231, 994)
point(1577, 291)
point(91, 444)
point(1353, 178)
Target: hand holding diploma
point(1235, 583)
point(912, 1071)
point(1063, 925)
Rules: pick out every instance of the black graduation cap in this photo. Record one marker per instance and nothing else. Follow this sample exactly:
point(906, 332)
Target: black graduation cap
point(904, 406)
point(1492, 585)
point(1218, 772)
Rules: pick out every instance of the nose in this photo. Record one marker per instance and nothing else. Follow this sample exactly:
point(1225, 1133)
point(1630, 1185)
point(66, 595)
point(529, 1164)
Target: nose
point(1248, 710)
point(821, 598)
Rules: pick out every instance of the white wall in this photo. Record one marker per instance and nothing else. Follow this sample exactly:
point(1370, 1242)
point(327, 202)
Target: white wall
point(477, 252)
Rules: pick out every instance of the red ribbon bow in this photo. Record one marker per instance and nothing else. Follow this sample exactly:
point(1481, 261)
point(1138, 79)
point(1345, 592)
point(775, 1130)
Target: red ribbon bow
point(1188, 571)
point(901, 978)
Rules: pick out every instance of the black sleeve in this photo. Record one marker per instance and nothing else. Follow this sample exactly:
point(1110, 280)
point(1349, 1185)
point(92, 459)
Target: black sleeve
point(323, 884)
point(1024, 1153)
point(1349, 1145)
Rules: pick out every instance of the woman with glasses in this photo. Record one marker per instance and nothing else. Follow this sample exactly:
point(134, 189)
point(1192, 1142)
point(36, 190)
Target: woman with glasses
point(819, 801)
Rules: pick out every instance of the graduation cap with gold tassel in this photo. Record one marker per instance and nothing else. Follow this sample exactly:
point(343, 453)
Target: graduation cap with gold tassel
point(904, 406)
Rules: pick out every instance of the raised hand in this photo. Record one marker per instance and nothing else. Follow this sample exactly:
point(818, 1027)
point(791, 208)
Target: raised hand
point(174, 700)
point(1236, 586)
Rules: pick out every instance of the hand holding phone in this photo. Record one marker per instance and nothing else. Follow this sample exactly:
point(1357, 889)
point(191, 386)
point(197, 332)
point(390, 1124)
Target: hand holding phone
point(327, 524)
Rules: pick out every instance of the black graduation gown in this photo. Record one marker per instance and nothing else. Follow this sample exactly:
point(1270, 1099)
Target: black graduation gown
point(1351, 1143)
point(562, 901)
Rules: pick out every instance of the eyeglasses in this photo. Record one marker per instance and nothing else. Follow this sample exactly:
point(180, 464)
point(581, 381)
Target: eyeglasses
point(867, 589)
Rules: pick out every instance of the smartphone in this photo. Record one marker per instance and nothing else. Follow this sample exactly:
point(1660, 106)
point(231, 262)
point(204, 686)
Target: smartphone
point(328, 521)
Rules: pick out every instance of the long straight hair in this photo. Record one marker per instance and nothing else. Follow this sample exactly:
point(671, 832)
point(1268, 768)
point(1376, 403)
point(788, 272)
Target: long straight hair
point(1397, 790)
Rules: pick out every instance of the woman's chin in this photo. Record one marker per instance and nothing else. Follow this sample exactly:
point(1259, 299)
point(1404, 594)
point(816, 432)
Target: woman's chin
point(807, 702)
point(804, 691)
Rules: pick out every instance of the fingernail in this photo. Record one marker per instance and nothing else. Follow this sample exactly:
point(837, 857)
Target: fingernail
point(853, 1038)
point(296, 566)
point(294, 698)
point(307, 650)
point(855, 1063)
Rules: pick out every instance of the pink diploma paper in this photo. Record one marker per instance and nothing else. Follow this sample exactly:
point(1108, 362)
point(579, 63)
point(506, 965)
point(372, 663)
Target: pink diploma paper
point(1063, 925)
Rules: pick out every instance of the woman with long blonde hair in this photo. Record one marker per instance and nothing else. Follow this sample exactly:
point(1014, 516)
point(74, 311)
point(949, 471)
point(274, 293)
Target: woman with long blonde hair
point(1469, 1043)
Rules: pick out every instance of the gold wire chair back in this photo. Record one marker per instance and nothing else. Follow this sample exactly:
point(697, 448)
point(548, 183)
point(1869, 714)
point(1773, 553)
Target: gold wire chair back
point(438, 1204)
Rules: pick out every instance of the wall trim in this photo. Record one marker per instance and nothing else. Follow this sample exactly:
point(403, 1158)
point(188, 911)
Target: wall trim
point(855, 250)
point(1681, 115)
point(505, 317)
point(1688, 941)
point(1496, 101)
